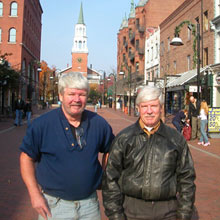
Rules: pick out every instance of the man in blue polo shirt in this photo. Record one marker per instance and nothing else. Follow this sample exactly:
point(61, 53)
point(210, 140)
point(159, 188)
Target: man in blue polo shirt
point(64, 145)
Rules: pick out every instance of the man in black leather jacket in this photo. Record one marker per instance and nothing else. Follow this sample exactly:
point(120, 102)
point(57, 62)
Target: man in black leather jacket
point(150, 173)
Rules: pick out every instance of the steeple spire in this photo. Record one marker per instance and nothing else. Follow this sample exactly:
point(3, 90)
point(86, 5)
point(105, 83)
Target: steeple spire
point(81, 19)
point(132, 10)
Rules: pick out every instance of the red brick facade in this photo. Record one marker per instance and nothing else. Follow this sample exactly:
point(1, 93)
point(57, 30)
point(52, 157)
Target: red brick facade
point(131, 39)
point(80, 63)
point(179, 59)
point(25, 48)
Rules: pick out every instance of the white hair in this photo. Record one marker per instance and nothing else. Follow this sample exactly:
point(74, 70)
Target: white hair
point(74, 80)
point(149, 93)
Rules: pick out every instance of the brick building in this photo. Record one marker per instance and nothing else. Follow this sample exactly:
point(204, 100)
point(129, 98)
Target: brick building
point(20, 35)
point(183, 60)
point(131, 41)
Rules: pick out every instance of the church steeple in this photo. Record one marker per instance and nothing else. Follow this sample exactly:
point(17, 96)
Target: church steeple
point(81, 18)
point(79, 49)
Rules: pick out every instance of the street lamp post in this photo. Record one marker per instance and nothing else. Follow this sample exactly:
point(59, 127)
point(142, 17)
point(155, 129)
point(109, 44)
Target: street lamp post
point(115, 88)
point(178, 42)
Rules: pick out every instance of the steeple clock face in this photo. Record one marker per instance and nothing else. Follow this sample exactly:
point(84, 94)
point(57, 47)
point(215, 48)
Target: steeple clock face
point(79, 59)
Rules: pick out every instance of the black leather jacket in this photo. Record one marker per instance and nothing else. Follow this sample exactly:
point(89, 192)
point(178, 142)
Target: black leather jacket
point(157, 168)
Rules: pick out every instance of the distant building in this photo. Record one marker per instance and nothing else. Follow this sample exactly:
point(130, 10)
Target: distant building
point(20, 35)
point(131, 54)
point(80, 53)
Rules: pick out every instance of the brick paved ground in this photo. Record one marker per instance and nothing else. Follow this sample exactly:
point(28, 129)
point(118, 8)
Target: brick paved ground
point(15, 203)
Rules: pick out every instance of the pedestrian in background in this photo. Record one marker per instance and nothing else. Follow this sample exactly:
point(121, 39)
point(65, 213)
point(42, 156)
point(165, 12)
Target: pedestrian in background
point(28, 110)
point(150, 173)
point(19, 108)
point(64, 144)
point(204, 121)
point(95, 105)
point(179, 119)
point(194, 108)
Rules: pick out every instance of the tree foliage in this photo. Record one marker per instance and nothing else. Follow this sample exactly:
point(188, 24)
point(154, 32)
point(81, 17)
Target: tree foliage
point(8, 76)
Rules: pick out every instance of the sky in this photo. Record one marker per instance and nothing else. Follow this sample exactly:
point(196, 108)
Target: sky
point(102, 18)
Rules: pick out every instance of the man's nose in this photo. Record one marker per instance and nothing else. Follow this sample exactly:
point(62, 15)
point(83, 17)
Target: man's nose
point(149, 109)
point(76, 98)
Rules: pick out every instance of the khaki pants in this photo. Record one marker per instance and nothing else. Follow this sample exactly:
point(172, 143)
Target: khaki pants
point(195, 128)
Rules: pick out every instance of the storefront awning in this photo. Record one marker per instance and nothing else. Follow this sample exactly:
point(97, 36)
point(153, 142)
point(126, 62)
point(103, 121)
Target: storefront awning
point(183, 78)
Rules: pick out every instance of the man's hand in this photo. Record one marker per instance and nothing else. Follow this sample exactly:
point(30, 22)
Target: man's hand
point(40, 205)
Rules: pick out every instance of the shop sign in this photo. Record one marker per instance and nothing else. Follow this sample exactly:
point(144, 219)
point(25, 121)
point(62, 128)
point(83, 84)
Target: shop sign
point(214, 119)
point(193, 89)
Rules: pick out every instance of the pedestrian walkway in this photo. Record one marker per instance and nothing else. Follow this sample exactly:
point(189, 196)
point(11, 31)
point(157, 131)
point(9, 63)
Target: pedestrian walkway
point(15, 203)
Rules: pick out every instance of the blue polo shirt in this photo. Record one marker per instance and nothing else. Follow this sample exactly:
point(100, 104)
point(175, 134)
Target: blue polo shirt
point(64, 169)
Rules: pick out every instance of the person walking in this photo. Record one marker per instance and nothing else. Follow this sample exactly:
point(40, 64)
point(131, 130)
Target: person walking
point(28, 110)
point(194, 107)
point(204, 121)
point(178, 120)
point(150, 172)
point(64, 145)
point(19, 108)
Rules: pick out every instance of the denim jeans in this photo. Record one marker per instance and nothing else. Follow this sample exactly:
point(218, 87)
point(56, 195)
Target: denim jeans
point(204, 137)
point(28, 114)
point(18, 118)
point(85, 209)
point(177, 125)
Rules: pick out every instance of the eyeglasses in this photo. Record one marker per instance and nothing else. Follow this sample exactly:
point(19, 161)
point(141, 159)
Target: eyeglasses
point(79, 137)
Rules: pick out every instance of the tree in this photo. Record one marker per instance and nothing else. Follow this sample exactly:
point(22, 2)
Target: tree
point(8, 76)
point(94, 94)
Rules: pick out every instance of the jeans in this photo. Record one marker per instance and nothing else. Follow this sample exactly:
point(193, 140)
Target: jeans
point(204, 137)
point(85, 209)
point(28, 114)
point(18, 118)
point(177, 125)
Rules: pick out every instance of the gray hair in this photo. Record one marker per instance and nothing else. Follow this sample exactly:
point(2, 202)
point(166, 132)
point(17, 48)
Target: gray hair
point(73, 80)
point(148, 93)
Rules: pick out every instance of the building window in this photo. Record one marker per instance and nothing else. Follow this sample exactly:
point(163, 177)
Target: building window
point(189, 62)
point(148, 76)
point(189, 33)
point(12, 35)
point(152, 53)
point(168, 43)
point(14, 9)
point(162, 48)
point(205, 21)
point(124, 40)
point(80, 44)
point(168, 68)
point(124, 58)
point(130, 33)
point(156, 50)
point(157, 72)
point(0, 35)
point(1, 9)
point(137, 23)
point(148, 56)
point(137, 45)
point(205, 57)
point(174, 66)
point(137, 66)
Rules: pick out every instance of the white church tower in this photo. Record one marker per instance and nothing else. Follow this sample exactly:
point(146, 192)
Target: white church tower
point(80, 49)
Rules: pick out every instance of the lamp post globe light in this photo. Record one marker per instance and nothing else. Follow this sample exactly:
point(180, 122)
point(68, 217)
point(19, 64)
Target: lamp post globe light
point(176, 41)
